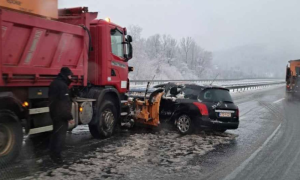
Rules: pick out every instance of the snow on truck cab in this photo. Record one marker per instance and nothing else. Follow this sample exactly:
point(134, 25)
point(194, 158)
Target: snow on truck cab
point(32, 52)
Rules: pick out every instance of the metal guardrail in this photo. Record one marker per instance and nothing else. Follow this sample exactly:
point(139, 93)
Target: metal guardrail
point(232, 87)
point(252, 86)
point(203, 81)
point(207, 80)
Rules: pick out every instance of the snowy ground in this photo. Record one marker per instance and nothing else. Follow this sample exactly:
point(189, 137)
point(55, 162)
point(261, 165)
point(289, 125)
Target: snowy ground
point(140, 152)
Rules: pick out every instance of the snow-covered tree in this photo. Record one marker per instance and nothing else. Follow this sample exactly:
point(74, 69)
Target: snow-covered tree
point(153, 46)
point(161, 56)
point(185, 45)
point(169, 48)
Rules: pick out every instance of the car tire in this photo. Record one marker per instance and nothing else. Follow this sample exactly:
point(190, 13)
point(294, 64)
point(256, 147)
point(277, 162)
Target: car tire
point(105, 120)
point(184, 124)
point(12, 134)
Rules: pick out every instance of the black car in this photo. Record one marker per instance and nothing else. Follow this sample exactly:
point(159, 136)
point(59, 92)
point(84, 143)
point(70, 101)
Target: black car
point(191, 106)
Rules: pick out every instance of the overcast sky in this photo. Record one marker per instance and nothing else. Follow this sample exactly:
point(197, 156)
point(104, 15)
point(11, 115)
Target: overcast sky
point(215, 24)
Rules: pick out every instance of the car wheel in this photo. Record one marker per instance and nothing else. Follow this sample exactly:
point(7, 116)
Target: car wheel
point(184, 124)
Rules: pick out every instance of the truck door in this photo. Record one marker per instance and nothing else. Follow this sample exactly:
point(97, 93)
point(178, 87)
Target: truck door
point(119, 68)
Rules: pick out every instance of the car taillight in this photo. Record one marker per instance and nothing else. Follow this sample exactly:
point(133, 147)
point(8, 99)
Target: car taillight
point(237, 113)
point(202, 107)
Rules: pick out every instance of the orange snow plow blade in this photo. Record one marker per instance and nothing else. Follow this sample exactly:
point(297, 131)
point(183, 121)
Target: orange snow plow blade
point(147, 112)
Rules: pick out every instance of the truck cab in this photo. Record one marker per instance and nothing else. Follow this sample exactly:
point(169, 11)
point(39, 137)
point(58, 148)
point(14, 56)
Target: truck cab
point(33, 49)
point(293, 78)
point(108, 59)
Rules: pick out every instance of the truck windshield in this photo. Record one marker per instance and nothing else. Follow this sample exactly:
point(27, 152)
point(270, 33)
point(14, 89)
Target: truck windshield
point(116, 43)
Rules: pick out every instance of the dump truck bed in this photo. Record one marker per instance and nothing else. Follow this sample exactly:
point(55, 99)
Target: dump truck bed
point(34, 49)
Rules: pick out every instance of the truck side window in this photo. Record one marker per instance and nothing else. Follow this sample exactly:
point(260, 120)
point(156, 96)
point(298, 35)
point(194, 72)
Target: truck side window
point(116, 43)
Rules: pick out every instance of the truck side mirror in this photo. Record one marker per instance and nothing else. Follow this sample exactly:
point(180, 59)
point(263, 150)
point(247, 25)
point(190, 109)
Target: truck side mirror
point(129, 48)
point(130, 51)
point(129, 38)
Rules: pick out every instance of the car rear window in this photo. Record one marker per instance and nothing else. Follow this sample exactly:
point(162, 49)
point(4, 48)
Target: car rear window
point(215, 95)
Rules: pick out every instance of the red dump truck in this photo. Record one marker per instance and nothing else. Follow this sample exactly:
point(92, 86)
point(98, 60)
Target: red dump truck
point(32, 52)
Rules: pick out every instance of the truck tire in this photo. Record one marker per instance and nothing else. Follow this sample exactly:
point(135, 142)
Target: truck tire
point(184, 124)
point(105, 120)
point(11, 137)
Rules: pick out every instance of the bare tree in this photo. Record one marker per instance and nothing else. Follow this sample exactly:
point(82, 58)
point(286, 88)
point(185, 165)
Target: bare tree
point(169, 47)
point(204, 61)
point(135, 32)
point(185, 45)
point(153, 46)
point(139, 50)
point(194, 53)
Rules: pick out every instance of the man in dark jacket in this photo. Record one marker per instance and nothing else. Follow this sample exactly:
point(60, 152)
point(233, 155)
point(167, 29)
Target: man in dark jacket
point(60, 112)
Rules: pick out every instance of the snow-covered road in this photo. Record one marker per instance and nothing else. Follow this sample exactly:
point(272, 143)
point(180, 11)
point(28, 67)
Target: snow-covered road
point(137, 153)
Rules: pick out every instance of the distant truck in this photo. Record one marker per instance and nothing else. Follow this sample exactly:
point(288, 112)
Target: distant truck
point(33, 50)
point(293, 78)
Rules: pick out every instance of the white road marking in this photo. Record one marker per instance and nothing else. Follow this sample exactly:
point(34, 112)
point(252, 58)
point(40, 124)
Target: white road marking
point(275, 102)
point(239, 169)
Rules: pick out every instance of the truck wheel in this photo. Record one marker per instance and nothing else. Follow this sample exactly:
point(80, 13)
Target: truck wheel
point(104, 122)
point(11, 137)
point(184, 124)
